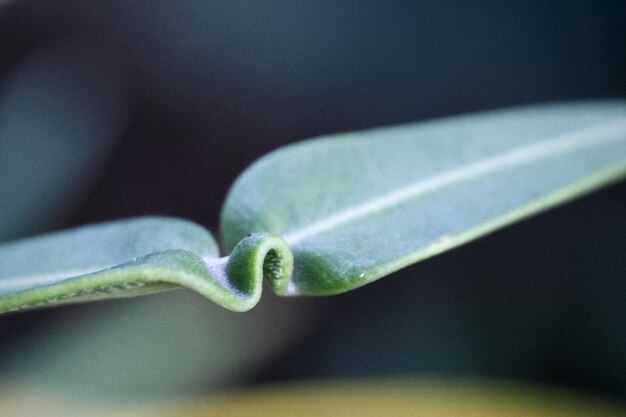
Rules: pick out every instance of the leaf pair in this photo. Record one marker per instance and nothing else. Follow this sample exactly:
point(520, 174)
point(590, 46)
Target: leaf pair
point(332, 214)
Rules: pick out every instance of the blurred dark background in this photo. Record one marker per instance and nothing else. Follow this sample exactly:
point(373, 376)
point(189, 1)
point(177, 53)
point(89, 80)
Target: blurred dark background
point(112, 109)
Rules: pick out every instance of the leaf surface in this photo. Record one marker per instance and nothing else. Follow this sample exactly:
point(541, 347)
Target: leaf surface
point(134, 257)
point(116, 259)
point(358, 206)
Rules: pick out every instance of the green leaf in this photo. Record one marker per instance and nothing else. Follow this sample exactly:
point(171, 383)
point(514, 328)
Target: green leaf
point(134, 257)
point(65, 265)
point(332, 214)
point(358, 206)
point(47, 162)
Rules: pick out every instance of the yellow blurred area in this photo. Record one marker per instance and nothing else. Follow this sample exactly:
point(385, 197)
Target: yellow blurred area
point(368, 397)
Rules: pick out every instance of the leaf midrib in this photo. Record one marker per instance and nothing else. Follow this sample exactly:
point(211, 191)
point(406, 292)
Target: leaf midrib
point(595, 136)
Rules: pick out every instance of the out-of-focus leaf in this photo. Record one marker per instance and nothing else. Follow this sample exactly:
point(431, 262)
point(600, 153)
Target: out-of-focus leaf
point(388, 397)
point(61, 112)
point(160, 347)
point(398, 397)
